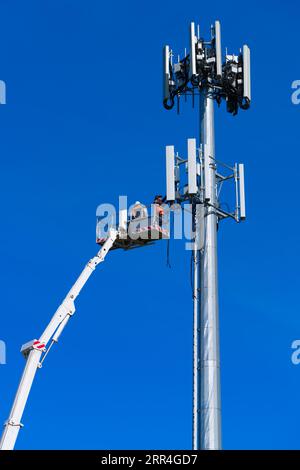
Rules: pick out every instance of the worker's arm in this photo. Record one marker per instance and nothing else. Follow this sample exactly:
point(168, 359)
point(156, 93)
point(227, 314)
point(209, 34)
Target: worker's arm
point(34, 350)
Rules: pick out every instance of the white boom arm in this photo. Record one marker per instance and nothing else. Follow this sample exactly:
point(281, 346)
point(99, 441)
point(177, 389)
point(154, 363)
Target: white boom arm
point(34, 350)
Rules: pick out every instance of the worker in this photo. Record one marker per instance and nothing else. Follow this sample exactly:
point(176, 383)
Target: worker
point(158, 208)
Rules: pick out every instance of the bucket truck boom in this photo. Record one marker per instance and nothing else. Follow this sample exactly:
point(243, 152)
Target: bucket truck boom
point(34, 350)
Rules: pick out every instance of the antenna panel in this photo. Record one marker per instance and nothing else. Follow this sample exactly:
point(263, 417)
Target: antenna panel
point(166, 72)
point(192, 167)
point(170, 173)
point(242, 192)
point(246, 73)
point(218, 48)
point(193, 50)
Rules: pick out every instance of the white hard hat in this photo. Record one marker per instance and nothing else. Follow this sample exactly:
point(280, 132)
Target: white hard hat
point(137, 202)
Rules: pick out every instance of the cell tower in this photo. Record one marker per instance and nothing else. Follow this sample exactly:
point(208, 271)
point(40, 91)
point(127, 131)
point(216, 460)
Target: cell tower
point(203, 72)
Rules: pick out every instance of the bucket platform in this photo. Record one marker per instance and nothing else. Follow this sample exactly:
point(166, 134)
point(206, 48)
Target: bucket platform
point(140, 232)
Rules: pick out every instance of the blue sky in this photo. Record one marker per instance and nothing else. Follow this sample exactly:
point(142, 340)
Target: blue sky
point(84, 123)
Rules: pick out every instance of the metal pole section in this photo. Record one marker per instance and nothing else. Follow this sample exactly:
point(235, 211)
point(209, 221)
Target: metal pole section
point(196, 306)
point(209, 363)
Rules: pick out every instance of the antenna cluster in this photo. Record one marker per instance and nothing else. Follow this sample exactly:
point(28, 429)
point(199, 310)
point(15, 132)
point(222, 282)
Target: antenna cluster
point(196, 188)
point(204, 68)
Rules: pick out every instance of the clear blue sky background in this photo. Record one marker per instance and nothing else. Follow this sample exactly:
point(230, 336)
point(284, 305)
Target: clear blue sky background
point(84, 123)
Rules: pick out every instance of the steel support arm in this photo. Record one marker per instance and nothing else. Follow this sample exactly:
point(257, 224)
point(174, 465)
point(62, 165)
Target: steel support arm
point(35, 349)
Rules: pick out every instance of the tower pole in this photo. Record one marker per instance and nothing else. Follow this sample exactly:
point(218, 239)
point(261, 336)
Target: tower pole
point(205, 71)
point(209, 428)
point(196, 319)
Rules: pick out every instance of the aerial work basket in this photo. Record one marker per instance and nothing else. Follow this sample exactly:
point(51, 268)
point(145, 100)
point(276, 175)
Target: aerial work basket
point(135, 233)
